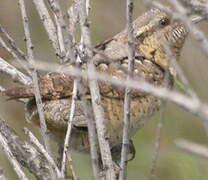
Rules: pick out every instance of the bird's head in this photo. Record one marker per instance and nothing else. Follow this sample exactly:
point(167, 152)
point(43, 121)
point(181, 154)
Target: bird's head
point(159, 36)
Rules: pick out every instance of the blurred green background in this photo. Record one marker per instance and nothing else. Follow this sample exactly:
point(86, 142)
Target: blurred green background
point(107, 19)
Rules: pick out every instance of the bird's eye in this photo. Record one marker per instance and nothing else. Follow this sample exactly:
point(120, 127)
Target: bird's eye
point(164, 21)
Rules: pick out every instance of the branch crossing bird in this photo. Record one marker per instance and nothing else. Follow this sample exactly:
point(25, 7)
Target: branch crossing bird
point(153, 32)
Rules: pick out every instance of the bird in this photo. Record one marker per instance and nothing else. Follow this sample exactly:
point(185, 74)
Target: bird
point(154, 32)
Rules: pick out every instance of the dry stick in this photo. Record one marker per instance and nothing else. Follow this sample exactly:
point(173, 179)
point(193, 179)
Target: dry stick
point(92, 133)
point(190, 104)
point(152, 172)
point(41, 148)
point(12, 158)
point(91, 124)
point(68, 133)
point(13, 53)
point(12, 43)
point(13, 72)
point(96, 99)
point(38, 99)
point(48, 24)
point(60, 24)
point(25, 153)
point(127, 100)
point(65, 37)
point(70, 53)
point(195, 149)
point(74, 174)
point(73, 19)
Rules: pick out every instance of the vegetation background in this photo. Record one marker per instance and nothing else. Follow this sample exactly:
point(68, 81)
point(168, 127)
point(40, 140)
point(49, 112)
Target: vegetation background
point(107, 19)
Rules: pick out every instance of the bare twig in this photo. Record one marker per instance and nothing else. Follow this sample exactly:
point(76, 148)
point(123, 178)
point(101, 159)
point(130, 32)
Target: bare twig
point(60, 24)
point(35, 141)
point(48, 24)
point(127, 100)
point(13, 53)
point(195, 107)
point(152, 172)
point(74, 174)
point(95, 94)
point(38, 99)
point(69, 54)
point(195, 149)
point(65, 36)
point(11, 158)
point(25, 153)
point(13, 72)
point(12, 44)
point(92, 134)
point(73, 15)
point(69, 129)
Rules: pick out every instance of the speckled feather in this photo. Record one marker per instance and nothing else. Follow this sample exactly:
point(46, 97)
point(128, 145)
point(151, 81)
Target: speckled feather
point(152, 31)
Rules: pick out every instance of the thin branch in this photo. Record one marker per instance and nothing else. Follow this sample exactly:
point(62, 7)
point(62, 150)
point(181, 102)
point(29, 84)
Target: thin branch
point(152, 172)
point(91, 124)
point(193, 148)
point(12, 44)
point(95, 94)
point(60, 24)
point(11, 158)
point(74, 174)
point(195, 107)
point(48, 24)
point(73, 15)
point(13, 72)
point(69, 129)
point(35, 141)
point(15, 56)
point(38, 99)
point(70, 54)
point(25, 153)
point(127, 100)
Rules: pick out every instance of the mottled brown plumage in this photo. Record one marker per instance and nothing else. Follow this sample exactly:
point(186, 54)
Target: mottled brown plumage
point(152, 31)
